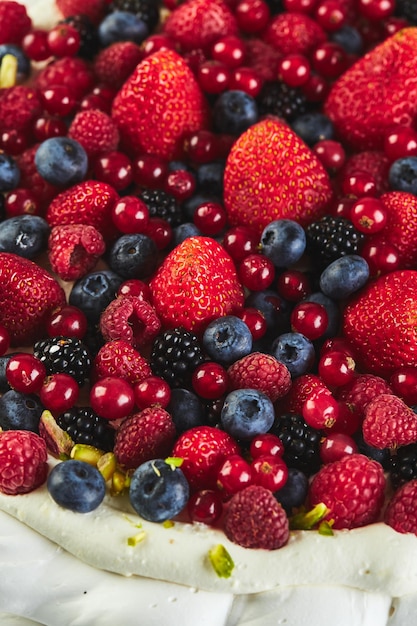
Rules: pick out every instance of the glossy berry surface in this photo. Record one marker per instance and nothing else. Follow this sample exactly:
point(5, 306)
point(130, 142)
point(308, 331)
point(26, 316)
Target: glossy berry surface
point(76, 486)
point(112, 398)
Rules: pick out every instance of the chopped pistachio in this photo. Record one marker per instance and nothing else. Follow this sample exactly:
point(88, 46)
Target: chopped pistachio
point(221, 561)
point(306, 520)
point(175, 461)
point(107, 465)
point(325, 528)
point(138, 538)
point(8, 71)
point(86, 453)
point(168, 523)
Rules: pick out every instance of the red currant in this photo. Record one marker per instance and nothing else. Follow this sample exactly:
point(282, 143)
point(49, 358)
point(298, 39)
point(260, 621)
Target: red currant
point(205, 507)
point(68, 321)
point(210, 380)
point(382, 256)
point(20, 202)
point(246, 79)
point(336, 368)
point(376, 9)
point(130, 215)
point(153, 390)
point(270, 472)
point(331, 153)
point(25, 373)
point(400, 142)
point(64, 40)
point(404, 383)
point(256, 272)
point(294, 70)
point(4, 340)
point(240, 242)
point(293, 285)
point(160, 231)
point(115, 169)
point(58, 100)
point(320, 410)
point(210, 218)
point(213, 76)
point(234, 475)
point(149, 170)
point(181, 184)
point(59, 392)
point(329, 59)
point(252, 16)
point(135, 287)
point(112, 398)
point(255, 321)
point(369, 215)
point(266, 444)
point(335, 446)
point(35, 45)
point(202, 147)
point(359, 184)
point(229, 50)
point(310, 319)
point(330, 15)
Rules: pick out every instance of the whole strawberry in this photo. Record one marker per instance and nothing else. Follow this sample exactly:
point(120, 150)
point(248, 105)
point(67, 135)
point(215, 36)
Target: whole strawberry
point(196, 283)
point(361, 114)
point(158, 105)
point(379, 322)
point(401, 512)
point(23, 461)
point(28, 294)
point(271, 174)
point(353, 489)
point(389, 423)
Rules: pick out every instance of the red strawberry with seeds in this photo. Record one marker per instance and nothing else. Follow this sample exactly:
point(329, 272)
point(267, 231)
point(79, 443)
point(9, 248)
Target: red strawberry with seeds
point(23, 461)
point(271, 174)
point(159, 104)
point(119, 358)
point(28, 294)
point(262, 372)
point(377, 92)
point(389, 423)
point(401, 512)
point(74, 249)
point(196, 283)
point(380, 323)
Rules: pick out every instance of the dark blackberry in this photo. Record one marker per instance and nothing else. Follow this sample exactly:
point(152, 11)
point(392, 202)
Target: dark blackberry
point(175, 355)
point(84, 426)
point(64, 354)
point(277, 98)
point(403, 465)
point(163, 205)
point(301, 443)
point(407, 9)
point(332, 237)
point(146, 10)
point(90, 42)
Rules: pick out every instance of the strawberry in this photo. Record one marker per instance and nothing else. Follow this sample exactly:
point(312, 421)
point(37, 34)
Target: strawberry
point(162, 82)
point(144, 436)
point(15, 22)
point(89, 202)
point(377, 92)
point(28, 294)
point(94, 9)
point(114, 64)
point(389, 423)
point(198, 23)
point(23, 461)
point(401, 512)
point(196, 283)
point(262, 372)
point(203, 450)
point(379, 321)
point(271, 174)
point(95, 131)
point(120, 359)
point(74, 249)
point(291, 33)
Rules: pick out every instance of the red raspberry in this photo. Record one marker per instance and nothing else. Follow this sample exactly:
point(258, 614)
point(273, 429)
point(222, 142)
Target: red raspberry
point(300, 390)
point(74, 250)
point(353, 489)
point(389, 422)
point(73, 72)
point(401, 511)
point(15, 23)
point(203, 449)
point(19, 107)
point(294, 33)
point(372, 162)
point(147, 435)
point(130, 318)
point(95, 131)
point(113, 65)
point(23, 461)
point(119, 358)
point(94, 9)
point(30, 178)
point(255, 519)
point(361, 391)
point(262, 372)
point(262, 58)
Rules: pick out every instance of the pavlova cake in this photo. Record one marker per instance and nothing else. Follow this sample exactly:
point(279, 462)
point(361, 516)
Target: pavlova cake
point(208, 282)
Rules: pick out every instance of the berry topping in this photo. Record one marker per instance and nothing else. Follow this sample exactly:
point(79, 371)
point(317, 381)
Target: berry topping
point(23, 461)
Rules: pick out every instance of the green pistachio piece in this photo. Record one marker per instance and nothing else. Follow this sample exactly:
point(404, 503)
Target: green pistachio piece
point(306, 520)
point(221, 561)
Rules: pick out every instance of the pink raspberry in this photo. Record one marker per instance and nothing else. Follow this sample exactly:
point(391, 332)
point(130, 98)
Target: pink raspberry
point(362, 390)
point(23, 461)
point(119, 358)
point(255, 519)
point(19, 107)
point(262, 372)
point(95, 131)
point(389, 422)
point(15, 23)
point(401, 512)
point(113, 65)
point(74, 250)
point(353, 489)
point(130, 318)
point(291, 33)
point(73, 72)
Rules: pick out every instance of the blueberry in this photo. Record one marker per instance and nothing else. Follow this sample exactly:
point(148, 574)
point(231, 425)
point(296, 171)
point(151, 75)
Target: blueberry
point(294, 493)
point(209, 177)
point(23, 62)
point(25, 235)
point(133, 256)
point(198, 198)
point(349, 38)
point(383, 456)
point(122, 26)
point(247, 413)
point(402, 175)
point(344, 276)
point(295, 351)
point(185, 409)
point(284, 242)
point(234, 112)
point(94, 292)
point(332, 309)
point(76, 485)
point(313, 127)
point(20, 411)
point(61, 161)
point(275, 309)
point(9, 172)
point(227, 339)
point(4, 385)
point(158, 490)
point(184, 231)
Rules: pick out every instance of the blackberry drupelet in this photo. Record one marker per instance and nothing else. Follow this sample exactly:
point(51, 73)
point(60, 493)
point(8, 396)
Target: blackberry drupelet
point(301, 442)
point(407, 9)
point(332, 237)
point(277, 98)
point(146, 10)
point(403, 465)
point(68, 355)
point(175, 355)
point(84, 426)
point(163, 205)
point(90, 43)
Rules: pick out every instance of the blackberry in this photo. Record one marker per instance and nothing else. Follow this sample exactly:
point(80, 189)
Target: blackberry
point(84, 426)
point(407, 9)
point(301, 443)
point(90, 42)
point(67, 355)
point(277, 98)
point(146, 10)
point(332, 237)
point(403, 465)
point(175, 355)
point(163, 205)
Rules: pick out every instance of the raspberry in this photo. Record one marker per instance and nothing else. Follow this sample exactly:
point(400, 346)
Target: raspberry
point(144, 436)
point(114, 64)
point(255, 519)
point(73, 72)
point(300, 389)
point(95, 131)
point(15, 23)
point(19, 107)
point(362, 390)
point(291, 33)
point(353, 490)
point(118, 358)
point(23, 461)
point(74, 250)
point(372, 162)
point(401, 512)
point(30, 178)
point(389, 423)
point(262, 372)
point(130, 318)
point(262, 58)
